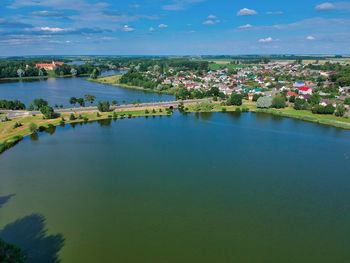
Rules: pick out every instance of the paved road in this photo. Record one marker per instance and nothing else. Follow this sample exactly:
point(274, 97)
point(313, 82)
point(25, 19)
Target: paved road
point(167, 104)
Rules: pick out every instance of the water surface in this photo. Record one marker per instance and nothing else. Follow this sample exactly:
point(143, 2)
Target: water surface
point(59, 90)
point(188, 188)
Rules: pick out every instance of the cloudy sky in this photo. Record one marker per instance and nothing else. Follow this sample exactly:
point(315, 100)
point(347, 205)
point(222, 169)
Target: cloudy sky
point(179, 27)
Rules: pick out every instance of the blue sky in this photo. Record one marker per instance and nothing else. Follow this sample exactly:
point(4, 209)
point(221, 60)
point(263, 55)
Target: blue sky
point(173, 27)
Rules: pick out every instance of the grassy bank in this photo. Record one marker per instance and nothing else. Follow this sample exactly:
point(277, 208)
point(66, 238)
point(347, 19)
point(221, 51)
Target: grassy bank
point(10, 136)
point(331, 120)
point(114, 80)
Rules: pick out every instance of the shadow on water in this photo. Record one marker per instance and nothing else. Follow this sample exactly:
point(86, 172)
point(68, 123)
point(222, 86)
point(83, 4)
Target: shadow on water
point(105, 122)
point(5, 199)
point(29, 233)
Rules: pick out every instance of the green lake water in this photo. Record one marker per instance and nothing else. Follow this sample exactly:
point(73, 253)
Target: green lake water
point(248, 188)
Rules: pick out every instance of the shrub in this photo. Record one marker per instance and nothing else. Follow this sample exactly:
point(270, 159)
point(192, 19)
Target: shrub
point(301, 104)
point(264, 102)
point(48, 112)
point(115, 115)
point(278, 102)
point(340, 110)
point(72, 117)
point(319, 109)
point(33, 127)
point(223, 109)
point(204, 106)
point(238, 110)
point(17, 125)
point(103, 106)
point(98, 115)
point(235, 99)
point(146, 111)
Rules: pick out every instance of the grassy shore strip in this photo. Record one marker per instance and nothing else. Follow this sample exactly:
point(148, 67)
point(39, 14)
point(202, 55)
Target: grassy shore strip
point(330, 120)
point(39, 77)
point(114, 81)
point(10, 136)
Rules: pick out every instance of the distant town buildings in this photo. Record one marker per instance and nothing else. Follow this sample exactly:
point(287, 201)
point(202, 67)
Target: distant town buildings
point(49, 66)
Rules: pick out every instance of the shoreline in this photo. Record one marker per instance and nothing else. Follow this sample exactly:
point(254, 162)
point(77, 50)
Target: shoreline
point(15, 79)
point(23, 131)
point(113, 80)
point(10, 136)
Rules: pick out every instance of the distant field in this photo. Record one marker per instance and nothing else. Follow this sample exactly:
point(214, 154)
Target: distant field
point(217, 66)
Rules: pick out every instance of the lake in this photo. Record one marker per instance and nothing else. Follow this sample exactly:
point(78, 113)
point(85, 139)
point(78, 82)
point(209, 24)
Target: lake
point(219, 187)
point(59, 90)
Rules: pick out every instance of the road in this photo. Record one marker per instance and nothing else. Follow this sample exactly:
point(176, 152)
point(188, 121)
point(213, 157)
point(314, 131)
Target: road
point(166, 104)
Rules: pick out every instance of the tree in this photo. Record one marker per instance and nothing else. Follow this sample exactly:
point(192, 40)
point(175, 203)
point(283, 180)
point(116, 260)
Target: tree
point(33, 127)
point(73, 101)
point(114, 102)
point(81, 102)
point(278, 102)
point(90, 98)
point(301, 104)
point(292, 99)
point(20, 72)
point(103, 106)
point(256, 96)
point(264, 102)
point(48, 112)
point(73, 71)
point(340, 110)
point(347, 101)
point(39, 103)
point(235, 99)
point(314, 99)
point(10, 253)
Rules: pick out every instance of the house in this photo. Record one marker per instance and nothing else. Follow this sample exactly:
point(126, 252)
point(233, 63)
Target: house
point(291, 94)
point(49, 66)
point(299, 84)
point(305, 90)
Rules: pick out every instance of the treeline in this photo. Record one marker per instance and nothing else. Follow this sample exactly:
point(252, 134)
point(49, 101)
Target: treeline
point(164, 64)
point(341, 77)
point(77, 70)
point(12, 105)
point(137, 79)
point(13, 69)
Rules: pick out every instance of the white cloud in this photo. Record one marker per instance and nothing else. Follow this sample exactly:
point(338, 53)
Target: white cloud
point(212, 17)
point(211, 22)
point(151, 29)
point(274, 13)
point(162, 26)
point(48, 29)
point(244, 27)
point(265, 40)
point(246, 12)
point(178, 5)
point(339, 6)
point(325, 7)
point(310, 38)
point(128, 28)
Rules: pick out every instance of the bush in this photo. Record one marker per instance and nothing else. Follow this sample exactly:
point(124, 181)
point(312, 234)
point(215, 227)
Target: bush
point(103, 106)
point(223, 109)
point(347, 101)
point(238, 110)
point(301, 104)
point(98, 115)
point(115, 115)
point(72, 117)
point(278, 102)
point(319, 109)
point(204, 106)
point(48, 112)
point(235, 99)
point(340, 110)
point(257, 96)
point(264, 102)
point(146, 111)
point(17, 125)
point(33, 127)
